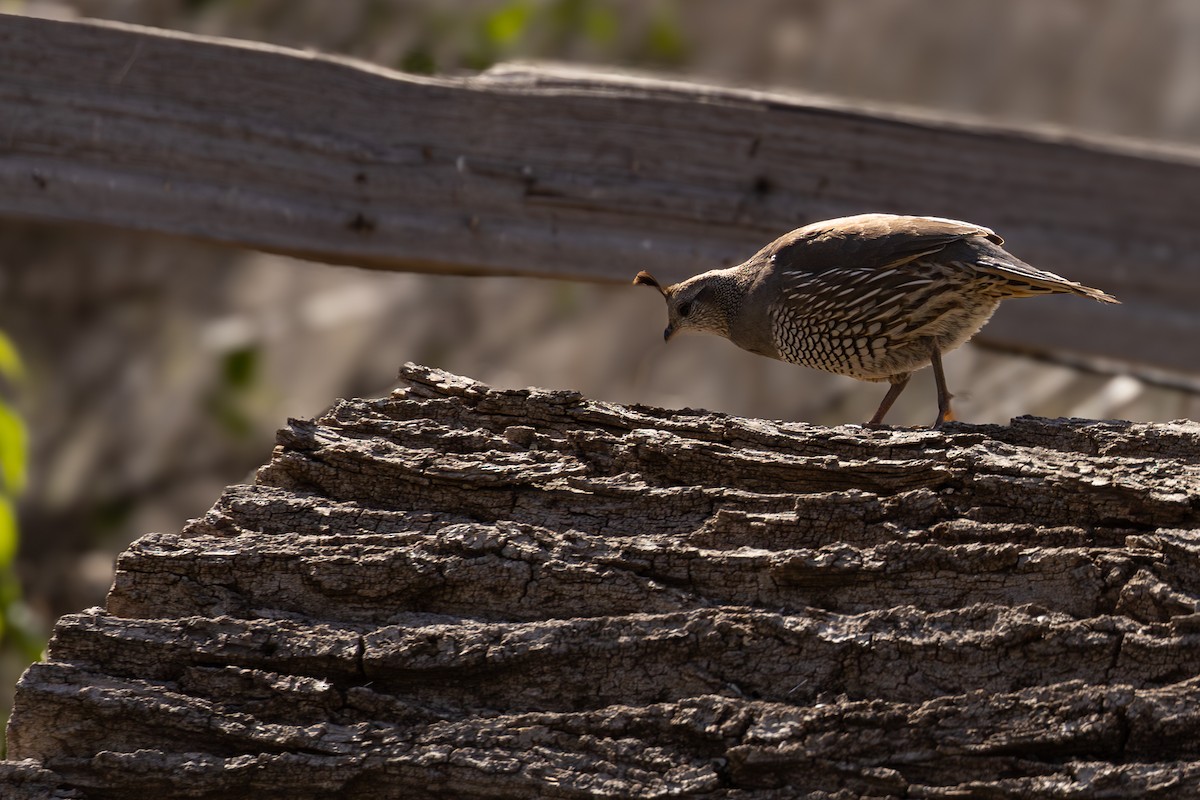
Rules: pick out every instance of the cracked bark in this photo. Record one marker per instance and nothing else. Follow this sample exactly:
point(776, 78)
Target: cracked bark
point(456, 591)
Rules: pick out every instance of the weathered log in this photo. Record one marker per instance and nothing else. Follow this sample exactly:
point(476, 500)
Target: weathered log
point(457, 591)
point(569, 173)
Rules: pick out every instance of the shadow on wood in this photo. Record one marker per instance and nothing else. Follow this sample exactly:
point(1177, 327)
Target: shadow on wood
point(456, 591)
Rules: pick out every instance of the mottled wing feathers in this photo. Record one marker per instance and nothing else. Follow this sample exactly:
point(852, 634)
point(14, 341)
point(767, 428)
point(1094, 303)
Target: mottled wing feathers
point(876, 246)
point(868, 241)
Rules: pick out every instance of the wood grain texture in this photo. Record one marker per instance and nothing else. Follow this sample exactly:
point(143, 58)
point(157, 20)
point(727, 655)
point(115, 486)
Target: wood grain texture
point(566, 173)
point(458, 591)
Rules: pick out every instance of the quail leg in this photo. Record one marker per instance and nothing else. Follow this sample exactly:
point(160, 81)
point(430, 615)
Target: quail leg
point(945, 414)
point(889, 398)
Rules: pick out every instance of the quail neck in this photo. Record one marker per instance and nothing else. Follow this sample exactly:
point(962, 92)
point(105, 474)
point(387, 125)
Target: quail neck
point(758, 281)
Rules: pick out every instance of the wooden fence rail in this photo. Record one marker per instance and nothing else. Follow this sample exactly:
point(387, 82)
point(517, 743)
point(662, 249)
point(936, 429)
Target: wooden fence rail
point(568, 174)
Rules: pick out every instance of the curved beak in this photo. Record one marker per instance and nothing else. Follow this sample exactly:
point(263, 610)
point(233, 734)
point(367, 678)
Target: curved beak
point(668, 332)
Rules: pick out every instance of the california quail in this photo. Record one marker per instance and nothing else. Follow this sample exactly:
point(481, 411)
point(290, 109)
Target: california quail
point(875, 297)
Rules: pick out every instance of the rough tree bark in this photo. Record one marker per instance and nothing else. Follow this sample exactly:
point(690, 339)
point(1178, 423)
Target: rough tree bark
point(456, 591)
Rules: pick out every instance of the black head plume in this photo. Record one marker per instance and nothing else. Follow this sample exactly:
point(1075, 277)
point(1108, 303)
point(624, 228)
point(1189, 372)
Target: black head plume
point(647, 279)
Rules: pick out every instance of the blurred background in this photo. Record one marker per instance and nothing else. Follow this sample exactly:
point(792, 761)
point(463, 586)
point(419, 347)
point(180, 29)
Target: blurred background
point(157, 370)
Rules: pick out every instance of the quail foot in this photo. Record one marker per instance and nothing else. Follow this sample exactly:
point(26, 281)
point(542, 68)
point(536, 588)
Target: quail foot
point(874, 296)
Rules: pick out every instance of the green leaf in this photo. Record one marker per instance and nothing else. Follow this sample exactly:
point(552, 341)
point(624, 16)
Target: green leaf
point(419, 61)
point(8, 533)
point(664, 40)
point(239, 368)
point(506, 25)
point(12, 452)
point(601, 25)
point(10, 360)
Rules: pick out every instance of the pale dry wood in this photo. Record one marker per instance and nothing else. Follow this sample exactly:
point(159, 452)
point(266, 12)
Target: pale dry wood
point(570, 174)
point(457, 591)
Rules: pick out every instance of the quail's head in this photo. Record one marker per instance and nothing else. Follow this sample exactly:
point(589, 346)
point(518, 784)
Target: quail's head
point(694, 304)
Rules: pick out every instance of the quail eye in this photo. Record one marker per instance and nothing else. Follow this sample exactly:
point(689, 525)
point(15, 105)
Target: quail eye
point(685, 308)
